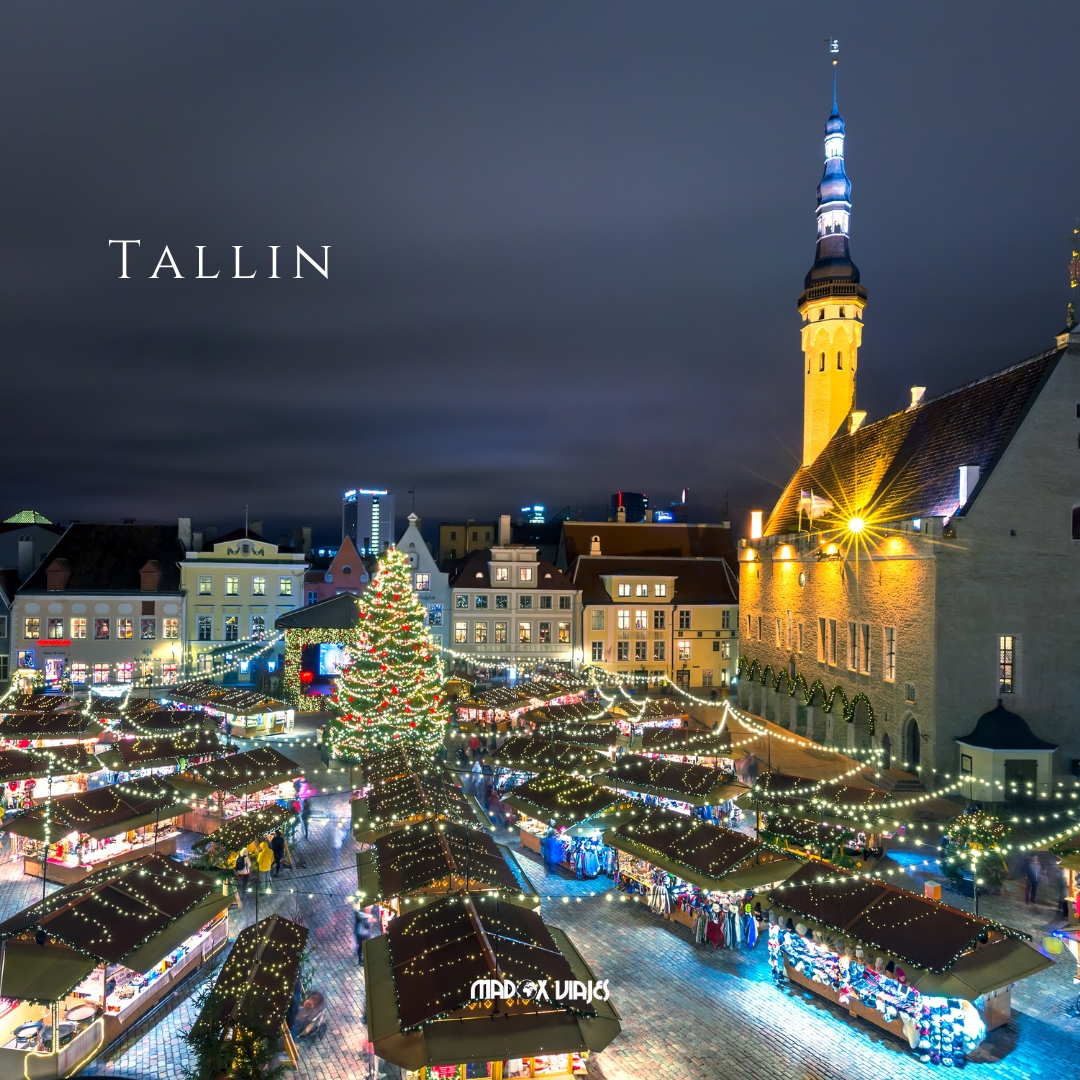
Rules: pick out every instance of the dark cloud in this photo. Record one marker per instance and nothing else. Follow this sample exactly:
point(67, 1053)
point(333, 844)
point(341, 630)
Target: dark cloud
point(566, 242)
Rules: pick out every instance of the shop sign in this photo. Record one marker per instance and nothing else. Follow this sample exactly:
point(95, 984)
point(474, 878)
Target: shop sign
point(535, 991)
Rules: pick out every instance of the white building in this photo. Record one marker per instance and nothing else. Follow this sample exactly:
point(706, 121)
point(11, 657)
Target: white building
point(432, 587)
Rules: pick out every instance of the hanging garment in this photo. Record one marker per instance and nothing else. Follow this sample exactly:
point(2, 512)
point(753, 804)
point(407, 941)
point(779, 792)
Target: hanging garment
point(714, 933)
point(750, 930)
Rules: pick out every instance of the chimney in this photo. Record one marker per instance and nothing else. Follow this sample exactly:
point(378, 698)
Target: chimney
point(255, 527)
point(594, 546)
point(857, 418)
point(183, 532)
point(504, 530)
point(917, 393)
point(150, 576)
point(26, 557)
point(196, 541)
point(57, 574)
point(305, 538)
point(969, 477)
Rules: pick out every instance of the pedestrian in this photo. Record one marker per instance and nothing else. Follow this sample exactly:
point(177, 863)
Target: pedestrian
point(1031, 879)
point(551, 850)
point(277, 847)
point(474, 746)
point(365, 927)
point(243, 870)
point(264, 857)
point(337, 838)
point(305, 815)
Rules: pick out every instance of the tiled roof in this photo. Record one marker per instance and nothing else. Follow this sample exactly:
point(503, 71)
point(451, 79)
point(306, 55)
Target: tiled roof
point(109, 558)
point(672, 540)
point(697, 581)
point(473, 574)
point(907, 464)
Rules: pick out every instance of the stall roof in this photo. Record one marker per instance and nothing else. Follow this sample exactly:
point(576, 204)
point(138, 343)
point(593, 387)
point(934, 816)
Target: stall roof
point(683, 741)
point(125, 914)
point(415, 797)
point(255, 984)
point(706, 855)
point(806, 832)
point(599, 737)
point(407, 995)
point(238, 774)
point(531, 754)
point(698, 785)
point(237, 832)
point(50, 725)
point(233, 700)
point(579, 712)
point(388, 765)
point(126, 755)
point(47, 761)
point(408, 862)
point(159, 721)
point(918, 931)
point(568, 800)
point(38, 704)
point(100, 812)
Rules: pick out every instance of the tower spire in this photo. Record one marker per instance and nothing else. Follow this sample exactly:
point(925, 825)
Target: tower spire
point(832, 300)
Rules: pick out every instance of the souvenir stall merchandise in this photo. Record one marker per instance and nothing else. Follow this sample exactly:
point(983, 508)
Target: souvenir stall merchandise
point(698, 785)
point(99, 828)
point(692, 871)
point(242, 712)
point(228, 786)
point(928, 973)
point(155, 922)
point(49, 730)
point(421, 1015)
point(56, 770)
point(411, 800)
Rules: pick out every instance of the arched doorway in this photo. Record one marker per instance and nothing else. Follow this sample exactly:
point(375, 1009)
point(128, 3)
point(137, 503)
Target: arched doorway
point(912, 744)
point(861, 737)
point(886, 751)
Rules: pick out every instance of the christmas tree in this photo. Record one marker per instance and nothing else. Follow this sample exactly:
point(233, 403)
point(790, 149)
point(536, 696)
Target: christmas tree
point(391, 694)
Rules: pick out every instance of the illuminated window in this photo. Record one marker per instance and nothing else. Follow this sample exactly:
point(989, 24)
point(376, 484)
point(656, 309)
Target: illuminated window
point(624, 588)
point(502, 601)
point(596, 619)
point(481, 600)
point(623, 619)
point(500, 633)
point(725, 650)
point(564, 633)
point(641, 650)
point(284, 586)
point(258, 627)
point(684, 619)
point(78, 674)
point(641, 590)
point(566, 603)
point(123, 671)
point(707, 678)
point(524, 632)
point(659, 650)
point(147, 629)
point(545, 633)
point(525, 573)
point(258, 585)
point(434, 612)
point(78, 628)
point(232, 586)
point(168, 674)
point(597, 651)
point(101, 630)
point(524, 601)
point(1007, 664)
point(660, 589)
point(461, 600)
point(56, 629)
point(205, 627)
point(171, 629)
point(641, 619)
point(461, 632)
point(101, 674)
point(659, 619)
point(232, 627)
point(125, 629)
point(890, 654)
point(623, 653)
point(206, 585)
point(480, 633)
point(684, 650)
point(502, 573)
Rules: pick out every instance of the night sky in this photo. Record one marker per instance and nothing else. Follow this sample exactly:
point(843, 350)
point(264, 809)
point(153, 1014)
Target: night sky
point(566, 243)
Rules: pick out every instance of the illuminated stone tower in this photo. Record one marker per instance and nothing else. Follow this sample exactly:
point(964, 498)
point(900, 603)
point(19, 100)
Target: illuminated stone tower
point(831, 304)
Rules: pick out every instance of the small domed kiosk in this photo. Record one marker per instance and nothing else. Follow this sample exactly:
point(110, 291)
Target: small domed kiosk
point(1004, 759)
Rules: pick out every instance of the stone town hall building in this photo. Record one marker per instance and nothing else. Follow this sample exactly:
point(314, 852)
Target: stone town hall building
point(918, 568)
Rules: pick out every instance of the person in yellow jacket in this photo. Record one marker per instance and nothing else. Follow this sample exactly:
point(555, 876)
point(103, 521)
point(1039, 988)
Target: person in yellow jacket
point(264, 859)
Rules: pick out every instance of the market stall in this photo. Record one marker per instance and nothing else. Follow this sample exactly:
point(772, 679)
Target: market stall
point(159, 753)
point(71, 991)
point(442, 860)
point(529, 754)
point(243, 713)
point(425, 1008)
point(411, 800)
point(97, 829)
point(213, 849)
point(683, 744)
point(64, 769)
point(676, 784)
point(929, 974)
point(48, 730)
point(693, 872)
point(388, 765)
point(227, 786)
point(146, 719)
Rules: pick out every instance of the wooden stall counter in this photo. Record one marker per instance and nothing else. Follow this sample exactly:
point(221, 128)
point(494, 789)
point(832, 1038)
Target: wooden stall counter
point(65, 873)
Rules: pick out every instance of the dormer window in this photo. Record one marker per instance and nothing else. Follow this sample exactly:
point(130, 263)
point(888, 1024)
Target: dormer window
point(502, 573)
point(525, 573)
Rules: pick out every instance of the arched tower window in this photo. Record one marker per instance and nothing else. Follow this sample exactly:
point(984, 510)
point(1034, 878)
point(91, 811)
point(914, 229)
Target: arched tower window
point(822, 368)
point(1076, 522)
point(839, 361)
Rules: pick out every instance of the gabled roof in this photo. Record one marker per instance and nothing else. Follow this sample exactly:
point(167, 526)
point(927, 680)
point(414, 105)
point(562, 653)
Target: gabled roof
point(109, 558)
point(340, 612)
point(474, 574)
point(697, 581)
point(671, 540)
point(27, 517)
point(907, 464)
point(1000, 729)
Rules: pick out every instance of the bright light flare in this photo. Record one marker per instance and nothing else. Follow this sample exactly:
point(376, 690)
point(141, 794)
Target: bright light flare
point(856, 525)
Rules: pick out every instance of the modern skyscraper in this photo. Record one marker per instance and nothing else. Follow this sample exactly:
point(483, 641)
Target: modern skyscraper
point(367, 515)
point(831, 304)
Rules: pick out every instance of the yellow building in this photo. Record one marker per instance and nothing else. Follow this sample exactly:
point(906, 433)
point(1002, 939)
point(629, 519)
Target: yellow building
point(654, 619)
point(458, 538)
point(235, 591)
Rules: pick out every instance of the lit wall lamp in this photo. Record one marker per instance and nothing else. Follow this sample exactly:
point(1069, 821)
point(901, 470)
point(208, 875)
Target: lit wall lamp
point(755, 524)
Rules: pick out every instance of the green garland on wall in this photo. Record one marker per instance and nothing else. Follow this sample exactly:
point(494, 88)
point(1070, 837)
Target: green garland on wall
point(752, 670)
point(296, 640)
